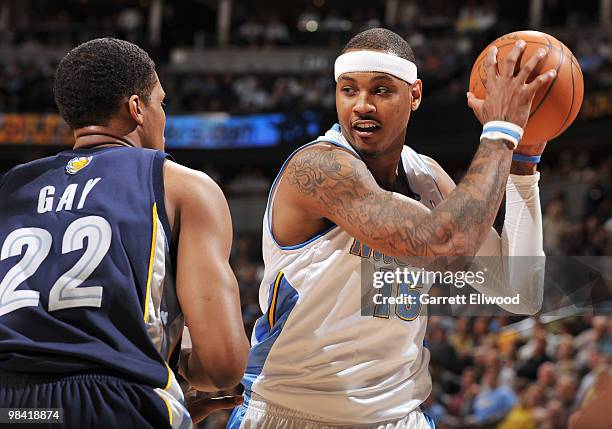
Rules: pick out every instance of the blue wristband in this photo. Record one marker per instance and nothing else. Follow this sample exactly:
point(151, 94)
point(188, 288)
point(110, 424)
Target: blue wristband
point(526, 158)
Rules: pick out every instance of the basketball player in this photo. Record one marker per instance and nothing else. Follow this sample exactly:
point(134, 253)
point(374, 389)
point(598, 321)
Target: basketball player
point(106, 250)
point(356, 196)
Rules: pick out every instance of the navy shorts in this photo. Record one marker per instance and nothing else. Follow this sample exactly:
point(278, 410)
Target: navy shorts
point(88, 401)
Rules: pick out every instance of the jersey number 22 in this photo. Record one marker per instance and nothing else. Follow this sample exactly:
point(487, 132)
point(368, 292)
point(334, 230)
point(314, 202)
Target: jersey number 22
point(65, 292)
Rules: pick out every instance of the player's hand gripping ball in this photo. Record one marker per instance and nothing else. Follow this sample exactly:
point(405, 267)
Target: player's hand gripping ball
point(556, 104)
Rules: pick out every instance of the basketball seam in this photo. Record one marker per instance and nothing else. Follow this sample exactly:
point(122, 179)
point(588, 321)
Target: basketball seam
point(571, 107)
point(552, 83)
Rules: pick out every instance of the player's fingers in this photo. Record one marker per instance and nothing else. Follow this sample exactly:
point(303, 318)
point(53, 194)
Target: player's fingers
point(512, 58)
point(474, 102)
point(201, 408)
point(540, 81)
point(490, 64)
point(531, 64)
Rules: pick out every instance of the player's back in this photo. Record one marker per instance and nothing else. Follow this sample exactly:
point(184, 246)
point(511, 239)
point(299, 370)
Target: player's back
point(86, 276)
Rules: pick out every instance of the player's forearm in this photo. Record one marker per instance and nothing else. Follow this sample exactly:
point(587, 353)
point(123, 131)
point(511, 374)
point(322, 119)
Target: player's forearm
point(463, 221)
point(523, 168)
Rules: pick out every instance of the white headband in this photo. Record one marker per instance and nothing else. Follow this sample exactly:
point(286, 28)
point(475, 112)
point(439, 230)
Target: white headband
point(375, 61)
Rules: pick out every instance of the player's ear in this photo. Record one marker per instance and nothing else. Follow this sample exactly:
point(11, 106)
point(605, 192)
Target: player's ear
point(417, 92)
point(135, 109)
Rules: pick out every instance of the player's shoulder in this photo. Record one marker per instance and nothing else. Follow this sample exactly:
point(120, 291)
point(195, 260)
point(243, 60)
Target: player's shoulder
point(320, 155)
point(17, 170)
point(187, 184)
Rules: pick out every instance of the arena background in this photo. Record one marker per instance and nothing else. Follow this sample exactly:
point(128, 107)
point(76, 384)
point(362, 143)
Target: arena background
point(249, 81)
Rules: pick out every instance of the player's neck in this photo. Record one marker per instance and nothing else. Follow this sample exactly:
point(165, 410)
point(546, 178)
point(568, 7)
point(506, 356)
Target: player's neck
point(98, 136)
point(384, 170)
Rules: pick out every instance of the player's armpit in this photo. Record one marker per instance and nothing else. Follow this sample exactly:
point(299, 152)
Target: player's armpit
point(332, 183)
point(206, 286)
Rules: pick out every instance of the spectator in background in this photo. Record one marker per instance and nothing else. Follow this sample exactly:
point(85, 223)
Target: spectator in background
point(565, 391)
point(555, 416)
point(442, 352)
point(525, 415)
point(460, 404)
point(597, 365)
point(546, 379)
point(130, 24)
point(529, 368)
point(587, 341)
point(507, 374)
point(565, 355)
point(461, 339)
point(251, 31)
point(334, 23)
point(275, 31)
point(408, 15)
point(492, 402)
point(474, 17)
point(554, 224)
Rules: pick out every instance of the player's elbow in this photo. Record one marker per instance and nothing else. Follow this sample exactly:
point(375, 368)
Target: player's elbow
point(230, 364)
point(217, 366)
point(227, 378)
point(229, 370)
point(224, 374)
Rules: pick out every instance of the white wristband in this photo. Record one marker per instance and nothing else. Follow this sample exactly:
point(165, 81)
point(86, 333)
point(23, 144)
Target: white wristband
point(508, 131)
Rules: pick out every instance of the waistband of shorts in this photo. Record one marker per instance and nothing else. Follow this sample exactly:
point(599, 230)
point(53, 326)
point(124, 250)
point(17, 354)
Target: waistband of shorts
point(7, 377)
point(258, 403)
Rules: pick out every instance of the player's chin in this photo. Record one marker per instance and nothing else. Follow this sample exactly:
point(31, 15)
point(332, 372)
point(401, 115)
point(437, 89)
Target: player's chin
point(367, 138)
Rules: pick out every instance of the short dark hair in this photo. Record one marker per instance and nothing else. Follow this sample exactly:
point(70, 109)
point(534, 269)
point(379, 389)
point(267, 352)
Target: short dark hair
point(93, 79)
point(381, 39)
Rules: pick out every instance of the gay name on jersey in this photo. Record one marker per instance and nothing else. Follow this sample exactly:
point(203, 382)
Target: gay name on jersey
point(46, 197)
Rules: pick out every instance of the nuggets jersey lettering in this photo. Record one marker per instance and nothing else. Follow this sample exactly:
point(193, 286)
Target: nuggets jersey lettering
point(86, 277)
point(312, 350)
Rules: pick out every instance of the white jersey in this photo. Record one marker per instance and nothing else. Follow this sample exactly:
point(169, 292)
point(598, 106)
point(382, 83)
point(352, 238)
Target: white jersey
point(313, 350)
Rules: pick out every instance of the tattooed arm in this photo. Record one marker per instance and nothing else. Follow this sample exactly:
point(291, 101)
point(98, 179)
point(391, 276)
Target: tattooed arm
point(324, 182)
point(515, 262)
point(327, 182)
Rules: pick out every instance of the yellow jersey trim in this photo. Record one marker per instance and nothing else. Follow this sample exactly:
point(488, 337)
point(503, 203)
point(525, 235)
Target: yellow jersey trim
point(151, 260)
point(272, 309)
point(169, 410)
point(169, 378)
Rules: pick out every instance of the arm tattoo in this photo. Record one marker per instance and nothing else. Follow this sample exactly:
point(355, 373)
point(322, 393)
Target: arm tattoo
point(343, 190)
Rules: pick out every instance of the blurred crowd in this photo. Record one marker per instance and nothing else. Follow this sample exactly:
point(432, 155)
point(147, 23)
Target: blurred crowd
point(446, 37)
point(577, 207)
point(491, 373)
point(304, 22)
point(444, 66)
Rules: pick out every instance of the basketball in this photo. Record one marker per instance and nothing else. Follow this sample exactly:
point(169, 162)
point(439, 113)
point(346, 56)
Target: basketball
point(556, 104)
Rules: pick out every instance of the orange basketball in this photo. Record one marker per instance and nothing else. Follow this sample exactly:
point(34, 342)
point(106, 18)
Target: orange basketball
point(556, 104)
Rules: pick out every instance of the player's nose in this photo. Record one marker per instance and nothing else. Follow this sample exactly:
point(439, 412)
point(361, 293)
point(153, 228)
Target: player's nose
point(363, 105)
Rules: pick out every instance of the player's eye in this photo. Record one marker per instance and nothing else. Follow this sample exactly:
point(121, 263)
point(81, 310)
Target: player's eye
point(164, 103)
point(348, 90)
point(382, 90)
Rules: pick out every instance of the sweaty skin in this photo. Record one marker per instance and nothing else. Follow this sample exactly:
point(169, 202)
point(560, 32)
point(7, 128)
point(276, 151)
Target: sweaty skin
point(324, 183)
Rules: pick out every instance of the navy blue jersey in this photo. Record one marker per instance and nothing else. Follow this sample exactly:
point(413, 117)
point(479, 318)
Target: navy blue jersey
point(87, 281)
